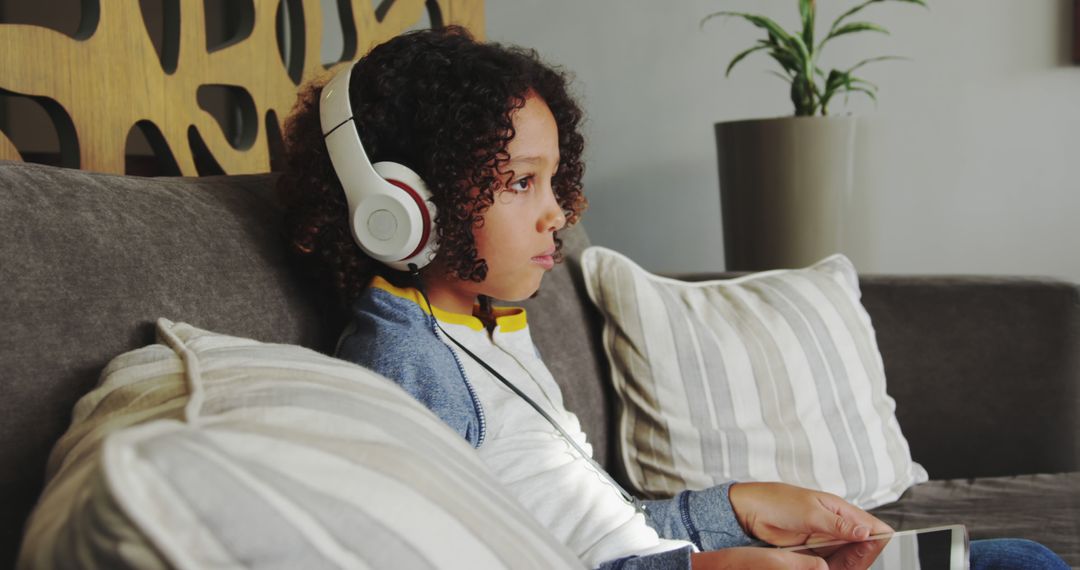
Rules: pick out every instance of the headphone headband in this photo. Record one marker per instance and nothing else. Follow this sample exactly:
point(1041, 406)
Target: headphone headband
point(347, 154)
point(390, 210)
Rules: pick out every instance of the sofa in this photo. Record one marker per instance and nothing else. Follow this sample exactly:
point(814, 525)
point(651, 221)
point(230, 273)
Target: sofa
point(984, 370)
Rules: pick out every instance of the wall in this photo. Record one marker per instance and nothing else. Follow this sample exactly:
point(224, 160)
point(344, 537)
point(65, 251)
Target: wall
point(975, 146)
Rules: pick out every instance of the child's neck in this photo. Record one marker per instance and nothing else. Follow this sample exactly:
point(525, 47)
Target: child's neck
point(449, 299)
point(452, 300)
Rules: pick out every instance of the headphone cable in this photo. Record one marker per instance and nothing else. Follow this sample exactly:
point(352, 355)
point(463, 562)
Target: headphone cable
point(630, 499)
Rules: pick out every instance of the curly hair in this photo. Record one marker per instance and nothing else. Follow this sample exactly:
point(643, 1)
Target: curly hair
point(439, 102)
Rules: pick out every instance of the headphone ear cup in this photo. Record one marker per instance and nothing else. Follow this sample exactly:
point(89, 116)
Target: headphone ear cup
point(396, 225)
point(390, 208)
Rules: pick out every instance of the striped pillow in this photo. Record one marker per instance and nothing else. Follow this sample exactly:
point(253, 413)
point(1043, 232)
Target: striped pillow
point(215, 451)
point(774, 376)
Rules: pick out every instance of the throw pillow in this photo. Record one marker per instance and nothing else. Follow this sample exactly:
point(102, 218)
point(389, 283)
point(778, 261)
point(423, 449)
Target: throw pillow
point(214, 451)
point(774, 376)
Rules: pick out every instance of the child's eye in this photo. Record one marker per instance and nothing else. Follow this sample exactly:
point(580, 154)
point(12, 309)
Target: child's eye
point(521, 184)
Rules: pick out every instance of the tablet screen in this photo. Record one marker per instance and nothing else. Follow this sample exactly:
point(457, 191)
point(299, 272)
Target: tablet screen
point(941, 548)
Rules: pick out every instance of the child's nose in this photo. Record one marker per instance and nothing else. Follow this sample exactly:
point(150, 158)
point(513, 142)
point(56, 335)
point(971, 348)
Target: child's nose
point(554, 219)
point(559, 222)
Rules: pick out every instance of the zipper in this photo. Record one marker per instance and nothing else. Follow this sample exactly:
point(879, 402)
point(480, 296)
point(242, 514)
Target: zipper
point(468, 385)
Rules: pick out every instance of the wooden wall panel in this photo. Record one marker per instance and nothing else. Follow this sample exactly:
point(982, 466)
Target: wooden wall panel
point(7, 149)
point(111, 79)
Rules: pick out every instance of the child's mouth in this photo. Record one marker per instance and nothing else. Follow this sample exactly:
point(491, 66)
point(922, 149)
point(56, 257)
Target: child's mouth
point(545, 261)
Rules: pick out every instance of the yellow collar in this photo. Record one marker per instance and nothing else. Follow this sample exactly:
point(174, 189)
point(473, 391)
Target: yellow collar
point(507, 319)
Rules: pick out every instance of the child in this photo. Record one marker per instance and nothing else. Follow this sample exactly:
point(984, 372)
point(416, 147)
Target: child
point(494, 135)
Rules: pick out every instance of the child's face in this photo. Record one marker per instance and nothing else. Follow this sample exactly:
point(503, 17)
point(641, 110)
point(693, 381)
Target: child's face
point(517, 238)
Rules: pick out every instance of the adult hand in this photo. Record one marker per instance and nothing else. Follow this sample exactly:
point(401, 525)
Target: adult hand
point(786, 515)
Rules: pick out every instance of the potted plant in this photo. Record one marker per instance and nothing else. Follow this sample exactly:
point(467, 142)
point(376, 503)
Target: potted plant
point(786, 184)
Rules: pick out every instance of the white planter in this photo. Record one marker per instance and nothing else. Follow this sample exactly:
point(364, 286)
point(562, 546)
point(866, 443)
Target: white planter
point(786, 189)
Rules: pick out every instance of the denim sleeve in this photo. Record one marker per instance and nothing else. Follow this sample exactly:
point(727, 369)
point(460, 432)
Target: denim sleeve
point(671, 560)
point(422, 365)
point(705, 518)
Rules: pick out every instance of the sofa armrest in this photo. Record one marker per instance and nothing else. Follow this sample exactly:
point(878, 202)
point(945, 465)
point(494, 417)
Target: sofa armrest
point(984, 370)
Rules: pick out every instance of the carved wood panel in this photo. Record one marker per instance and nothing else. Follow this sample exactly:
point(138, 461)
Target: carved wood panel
point(109, 78)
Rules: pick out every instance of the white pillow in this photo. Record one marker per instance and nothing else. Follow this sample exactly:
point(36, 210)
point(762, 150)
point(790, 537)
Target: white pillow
point(215, 451)
point(774, 376)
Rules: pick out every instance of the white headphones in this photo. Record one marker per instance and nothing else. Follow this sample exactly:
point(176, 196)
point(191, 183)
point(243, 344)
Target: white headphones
point(390, 209)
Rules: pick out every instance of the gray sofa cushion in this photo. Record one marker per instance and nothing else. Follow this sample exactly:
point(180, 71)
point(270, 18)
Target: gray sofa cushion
point(91, 260)
point(1045, 508)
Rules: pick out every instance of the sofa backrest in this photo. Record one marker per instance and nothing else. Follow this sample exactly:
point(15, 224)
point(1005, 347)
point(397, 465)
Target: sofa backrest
point(567, 328)
point(89, 261)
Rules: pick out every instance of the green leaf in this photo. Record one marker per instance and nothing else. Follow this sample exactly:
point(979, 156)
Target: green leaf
point(787, 60)
point(786, 48)
point(851, 12)
point(772, 27)
point(835, 80)
point(807, 10)
point(848, 86)
point(851, 86)
point(738, 58)
point(853, 28)
point(919, 2)
point(806, 60)
point(857, 81)
point(786, 78)
point(872, 60)
point(866, 91)
point(856, 9)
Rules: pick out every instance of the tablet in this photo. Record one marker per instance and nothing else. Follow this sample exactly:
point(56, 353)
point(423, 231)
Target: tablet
point(937, 548)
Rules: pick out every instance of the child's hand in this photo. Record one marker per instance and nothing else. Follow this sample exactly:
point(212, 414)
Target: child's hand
point(755, 558)
point(855, 556)
point(786, 515)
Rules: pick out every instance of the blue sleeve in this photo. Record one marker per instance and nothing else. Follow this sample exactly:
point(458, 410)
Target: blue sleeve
point(671, 560)
point(410, 354)
point(704, 518)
